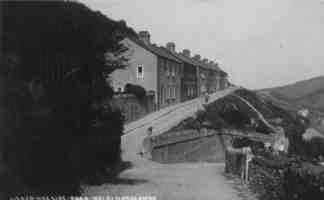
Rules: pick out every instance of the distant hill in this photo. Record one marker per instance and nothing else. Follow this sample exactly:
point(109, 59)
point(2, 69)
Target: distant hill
point(303, 94)
point(307, 93)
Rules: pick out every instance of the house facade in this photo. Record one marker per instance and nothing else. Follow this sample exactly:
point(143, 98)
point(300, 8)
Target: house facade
point(202, 75)
point(210, 77)
point(140, 70)
point(189, 80)
point(169, 77)
point(218, 78)
point(169, 81)
point(151, 67)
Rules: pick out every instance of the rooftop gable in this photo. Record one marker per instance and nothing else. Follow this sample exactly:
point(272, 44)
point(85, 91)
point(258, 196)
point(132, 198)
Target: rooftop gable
point(155, 50)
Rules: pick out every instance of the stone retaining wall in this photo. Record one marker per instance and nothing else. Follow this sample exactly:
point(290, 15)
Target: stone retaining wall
point(189, 146)
point(277, 179)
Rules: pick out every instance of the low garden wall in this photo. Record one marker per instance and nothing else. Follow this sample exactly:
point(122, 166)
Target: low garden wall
point(280, 177)
point(189, 146)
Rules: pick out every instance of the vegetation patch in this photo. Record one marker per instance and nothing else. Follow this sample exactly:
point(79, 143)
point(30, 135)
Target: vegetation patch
point(57, 133)
point(138, 91)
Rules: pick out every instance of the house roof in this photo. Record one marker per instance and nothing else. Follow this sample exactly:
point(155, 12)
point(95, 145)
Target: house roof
point(159, 51)
point(217, 68)
point(183, 58)
point(176, 57)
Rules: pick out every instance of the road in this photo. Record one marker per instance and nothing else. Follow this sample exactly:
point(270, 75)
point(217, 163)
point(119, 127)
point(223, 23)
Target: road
point(168, 181)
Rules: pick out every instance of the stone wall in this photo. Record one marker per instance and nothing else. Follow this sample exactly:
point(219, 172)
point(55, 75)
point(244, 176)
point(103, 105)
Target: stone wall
point(189, 146)
point(280, 177)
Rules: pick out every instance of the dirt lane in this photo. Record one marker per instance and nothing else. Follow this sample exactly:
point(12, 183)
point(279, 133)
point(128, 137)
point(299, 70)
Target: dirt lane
point(167, 181)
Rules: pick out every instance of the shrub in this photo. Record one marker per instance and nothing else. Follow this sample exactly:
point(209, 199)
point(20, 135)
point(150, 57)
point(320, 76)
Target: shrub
point(137, 90)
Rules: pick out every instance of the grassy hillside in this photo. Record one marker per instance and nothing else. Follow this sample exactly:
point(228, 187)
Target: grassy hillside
point(308, 93)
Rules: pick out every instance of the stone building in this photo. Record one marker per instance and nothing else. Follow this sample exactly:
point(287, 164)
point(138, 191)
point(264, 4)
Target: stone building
point(202, 75)
point(218, 80)
point(152, 67)
point(210, 77)
point(189, 80)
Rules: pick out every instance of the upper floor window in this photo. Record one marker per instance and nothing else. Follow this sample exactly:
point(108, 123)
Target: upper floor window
point(140, 71)
point(202, 75)
point(173, 70)
point(168, 69)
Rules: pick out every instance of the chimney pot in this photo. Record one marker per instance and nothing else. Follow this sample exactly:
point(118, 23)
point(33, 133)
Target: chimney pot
point(197, 57)
point(170, 46)
point(186, 52)
point(145, 37)
point(205, 60)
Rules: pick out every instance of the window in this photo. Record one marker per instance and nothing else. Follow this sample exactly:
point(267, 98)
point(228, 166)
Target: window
point(140, 71)
point(168, 67)
point(172, 70)
point(174, 92)
point(189, 91)
point(202, 76)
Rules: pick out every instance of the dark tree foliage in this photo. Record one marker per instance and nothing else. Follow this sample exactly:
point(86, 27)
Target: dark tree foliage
point(57, 55)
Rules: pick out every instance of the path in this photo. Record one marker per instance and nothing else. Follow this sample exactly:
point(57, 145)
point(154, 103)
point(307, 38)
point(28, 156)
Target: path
point(260, 115)
point(167, 181)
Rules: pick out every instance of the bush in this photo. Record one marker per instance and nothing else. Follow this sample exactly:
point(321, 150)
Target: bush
point(137, 90)
point(304, 181)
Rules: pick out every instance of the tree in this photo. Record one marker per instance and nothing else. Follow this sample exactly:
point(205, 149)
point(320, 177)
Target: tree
point(66, 51)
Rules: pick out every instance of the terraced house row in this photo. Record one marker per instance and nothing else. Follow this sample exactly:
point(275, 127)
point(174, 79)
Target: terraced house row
point(171, 76)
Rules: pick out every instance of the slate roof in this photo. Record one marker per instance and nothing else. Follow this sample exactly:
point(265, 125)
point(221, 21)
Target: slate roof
point(176, 57)
point(182, 57)
point(156, 50)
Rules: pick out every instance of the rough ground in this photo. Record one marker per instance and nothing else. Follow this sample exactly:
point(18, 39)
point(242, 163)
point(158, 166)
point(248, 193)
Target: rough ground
point(169, 181)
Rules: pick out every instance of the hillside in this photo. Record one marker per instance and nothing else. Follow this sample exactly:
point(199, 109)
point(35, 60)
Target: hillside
point(307, 93)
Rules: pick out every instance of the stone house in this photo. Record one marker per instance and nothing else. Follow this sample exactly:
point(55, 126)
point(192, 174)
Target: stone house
point(224, 83)
point(189, 80)
point(203, 74)
point(152, 67)
point(219, 79)
point(210, 77)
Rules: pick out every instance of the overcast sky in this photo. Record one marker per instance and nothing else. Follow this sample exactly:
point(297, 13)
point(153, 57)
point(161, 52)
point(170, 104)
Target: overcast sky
point(260, 43)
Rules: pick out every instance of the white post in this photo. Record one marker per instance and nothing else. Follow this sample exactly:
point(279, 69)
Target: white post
point(248, 157)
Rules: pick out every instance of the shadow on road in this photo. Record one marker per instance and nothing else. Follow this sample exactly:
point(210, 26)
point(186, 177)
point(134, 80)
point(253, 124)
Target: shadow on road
point(111, 176)
point(127, 181)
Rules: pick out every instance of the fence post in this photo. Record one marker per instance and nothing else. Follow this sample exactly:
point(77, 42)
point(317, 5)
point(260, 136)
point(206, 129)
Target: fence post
point(247, 152)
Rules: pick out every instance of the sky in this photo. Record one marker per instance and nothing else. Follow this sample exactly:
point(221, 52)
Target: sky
point(260, 43)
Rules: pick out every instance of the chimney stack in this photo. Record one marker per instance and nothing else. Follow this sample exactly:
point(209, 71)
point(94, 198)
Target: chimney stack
point(205, 60)
point(171, 46)
point(145, 37)
point(197, 57)
point(186, 52)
